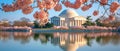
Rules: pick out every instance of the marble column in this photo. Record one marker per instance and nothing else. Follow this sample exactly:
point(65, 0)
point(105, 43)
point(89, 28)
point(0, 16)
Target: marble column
point(74, 23)
point(80, 22)
point(61, 22)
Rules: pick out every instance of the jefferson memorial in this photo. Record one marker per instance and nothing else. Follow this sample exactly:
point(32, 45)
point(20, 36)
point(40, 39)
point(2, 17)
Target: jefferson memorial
point(68, 18)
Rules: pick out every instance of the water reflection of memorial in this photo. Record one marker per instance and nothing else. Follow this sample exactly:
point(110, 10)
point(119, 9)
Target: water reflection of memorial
point(66, 41)
point(69, 42)
point(73, 41)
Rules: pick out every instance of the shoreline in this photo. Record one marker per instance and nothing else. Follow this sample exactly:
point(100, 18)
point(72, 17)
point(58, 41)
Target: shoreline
point(69, 30)
point(60, 30)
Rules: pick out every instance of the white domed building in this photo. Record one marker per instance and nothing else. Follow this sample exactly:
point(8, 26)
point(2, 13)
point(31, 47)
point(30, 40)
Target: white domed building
point(68, 18)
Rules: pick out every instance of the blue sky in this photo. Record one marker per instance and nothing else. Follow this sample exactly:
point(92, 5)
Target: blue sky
point(18, 14)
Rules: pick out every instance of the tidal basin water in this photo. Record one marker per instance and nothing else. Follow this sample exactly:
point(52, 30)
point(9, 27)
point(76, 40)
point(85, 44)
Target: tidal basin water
point(27, 41)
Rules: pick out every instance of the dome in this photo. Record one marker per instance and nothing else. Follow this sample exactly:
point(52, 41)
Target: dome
point(69, 13)
point(80, 18)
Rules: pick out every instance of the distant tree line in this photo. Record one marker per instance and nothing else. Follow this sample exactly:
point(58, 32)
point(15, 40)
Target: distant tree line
point(98, 23)
point(48, 25)
point(89, 22)
point(24, 22)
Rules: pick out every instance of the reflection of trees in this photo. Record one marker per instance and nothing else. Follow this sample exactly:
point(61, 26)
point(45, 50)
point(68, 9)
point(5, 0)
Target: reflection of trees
point(5, 35)
point(24, 37)
point(36, 36)
point(67, 41)
point(116, 40)
point(43, 37)
point(89, 40)
point(104, 40)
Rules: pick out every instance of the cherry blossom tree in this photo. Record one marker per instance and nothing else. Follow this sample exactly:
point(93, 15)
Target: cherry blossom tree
point(110, 7)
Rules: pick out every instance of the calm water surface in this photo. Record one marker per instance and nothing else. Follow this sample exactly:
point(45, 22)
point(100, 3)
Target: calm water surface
point(26, 41)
